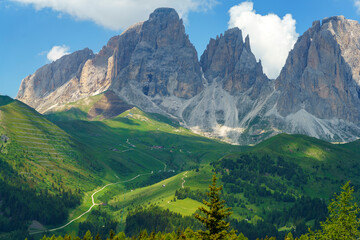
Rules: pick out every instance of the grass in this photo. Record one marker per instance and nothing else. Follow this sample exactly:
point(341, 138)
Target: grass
point(44, 153)
point(85, 154)
point(186, 207)
point(138, 142)
point(134, 142)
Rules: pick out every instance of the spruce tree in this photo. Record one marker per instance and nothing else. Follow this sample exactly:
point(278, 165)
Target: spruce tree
point(213, 217)
point(343, 221)
point(88, 236)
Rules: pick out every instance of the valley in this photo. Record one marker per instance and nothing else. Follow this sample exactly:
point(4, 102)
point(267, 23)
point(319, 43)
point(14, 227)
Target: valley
point(128, 139)
point(156, 155)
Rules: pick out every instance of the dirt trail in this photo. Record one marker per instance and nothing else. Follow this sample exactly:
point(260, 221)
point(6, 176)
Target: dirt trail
point(93, 200)
point(183, 178)
point(93, 205)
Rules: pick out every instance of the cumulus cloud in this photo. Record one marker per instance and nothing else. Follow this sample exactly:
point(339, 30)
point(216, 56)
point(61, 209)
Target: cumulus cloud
point(271, 37)
point(357, 5)
point(57, 52)
point(118, 14)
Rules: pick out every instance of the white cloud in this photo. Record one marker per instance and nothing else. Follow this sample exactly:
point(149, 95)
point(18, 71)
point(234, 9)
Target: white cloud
point(357, 5)
point(118, 14)
point(271, 38)
point(57, 52)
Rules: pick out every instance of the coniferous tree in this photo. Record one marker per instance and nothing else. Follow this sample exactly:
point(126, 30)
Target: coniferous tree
point(343, 221)
point(88, 236)
point(98, 237)
point(214, 217)
point(111, 234)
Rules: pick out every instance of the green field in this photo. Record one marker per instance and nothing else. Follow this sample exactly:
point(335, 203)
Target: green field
point(70, 150)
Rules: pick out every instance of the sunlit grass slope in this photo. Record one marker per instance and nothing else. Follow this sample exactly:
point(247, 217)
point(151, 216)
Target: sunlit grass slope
point(42, 153)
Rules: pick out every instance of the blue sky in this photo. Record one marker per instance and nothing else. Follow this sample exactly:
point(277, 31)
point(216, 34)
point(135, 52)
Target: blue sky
point(29, 29)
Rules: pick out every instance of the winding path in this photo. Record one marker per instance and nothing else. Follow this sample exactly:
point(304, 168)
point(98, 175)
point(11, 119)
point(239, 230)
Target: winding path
point(183, 178)
point(93, 205)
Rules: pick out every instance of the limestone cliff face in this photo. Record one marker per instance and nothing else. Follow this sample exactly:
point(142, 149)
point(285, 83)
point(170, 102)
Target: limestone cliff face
point(321, 78)
point(155, 58)
point(237, 91)
point(50, 77)
point(160, 60)
point(153, 66)
point(230, 59)
point(321, 74)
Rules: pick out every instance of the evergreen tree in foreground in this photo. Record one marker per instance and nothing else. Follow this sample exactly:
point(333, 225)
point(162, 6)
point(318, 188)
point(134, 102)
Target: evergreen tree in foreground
point(343, 221)
point(213, 217)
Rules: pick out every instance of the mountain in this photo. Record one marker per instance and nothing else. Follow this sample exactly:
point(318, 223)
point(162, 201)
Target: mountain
point(320, 84)
point(153, 66)
point(235, 92)
point(150, 60)
point(55, 82)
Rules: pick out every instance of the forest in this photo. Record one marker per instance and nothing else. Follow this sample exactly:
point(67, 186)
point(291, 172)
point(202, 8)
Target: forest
point(342, 222)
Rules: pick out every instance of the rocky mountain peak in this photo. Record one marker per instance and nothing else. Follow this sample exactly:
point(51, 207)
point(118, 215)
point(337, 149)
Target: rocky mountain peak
point(321, 74)
point(222, 53)
point(230, 59)
point(347, 35)
point(159, 59)
point(164, 14)
point(153, 65)
point(247, 43)
point(164, 28)
point(50, 77)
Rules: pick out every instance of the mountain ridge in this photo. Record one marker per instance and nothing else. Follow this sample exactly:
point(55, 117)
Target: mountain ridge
point(154, 66)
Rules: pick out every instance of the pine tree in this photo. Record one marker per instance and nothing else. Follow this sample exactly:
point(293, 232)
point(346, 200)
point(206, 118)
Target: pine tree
point(88, 236)
point(343, 221)
point(213, 217)
point(98, 237)
point(111, 234)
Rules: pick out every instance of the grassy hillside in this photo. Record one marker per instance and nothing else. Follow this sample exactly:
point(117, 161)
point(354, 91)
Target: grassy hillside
point(106, 150)
point(94, 143)
point(44, 171)
point(137, 142)
point(280, 181)
point(327, 165)
point(45, 155)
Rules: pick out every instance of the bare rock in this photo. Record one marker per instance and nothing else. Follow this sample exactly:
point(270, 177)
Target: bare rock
point(49, 78)
point(160, 60)
point(321, 74)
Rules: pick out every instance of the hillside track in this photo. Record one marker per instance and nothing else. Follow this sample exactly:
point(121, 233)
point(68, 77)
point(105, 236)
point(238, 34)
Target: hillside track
point(93, 205)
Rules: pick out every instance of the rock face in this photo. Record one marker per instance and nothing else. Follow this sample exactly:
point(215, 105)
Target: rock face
point(321, 80)
point(162, 62)
point(154, 66)
point(153, 59)
point(51, 77)
point(230, 59)
point(236, 88)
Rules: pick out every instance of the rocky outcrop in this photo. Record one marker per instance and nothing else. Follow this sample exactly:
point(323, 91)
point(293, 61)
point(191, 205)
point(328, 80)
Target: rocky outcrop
point(230, 59)
point(321, 79)
point(153, 59)
point(49, 78)
point(153, 66)
point(237, 90)
point(161, 60)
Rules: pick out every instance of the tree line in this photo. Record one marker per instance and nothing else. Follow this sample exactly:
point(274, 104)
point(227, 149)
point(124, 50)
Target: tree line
point(343, 222)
